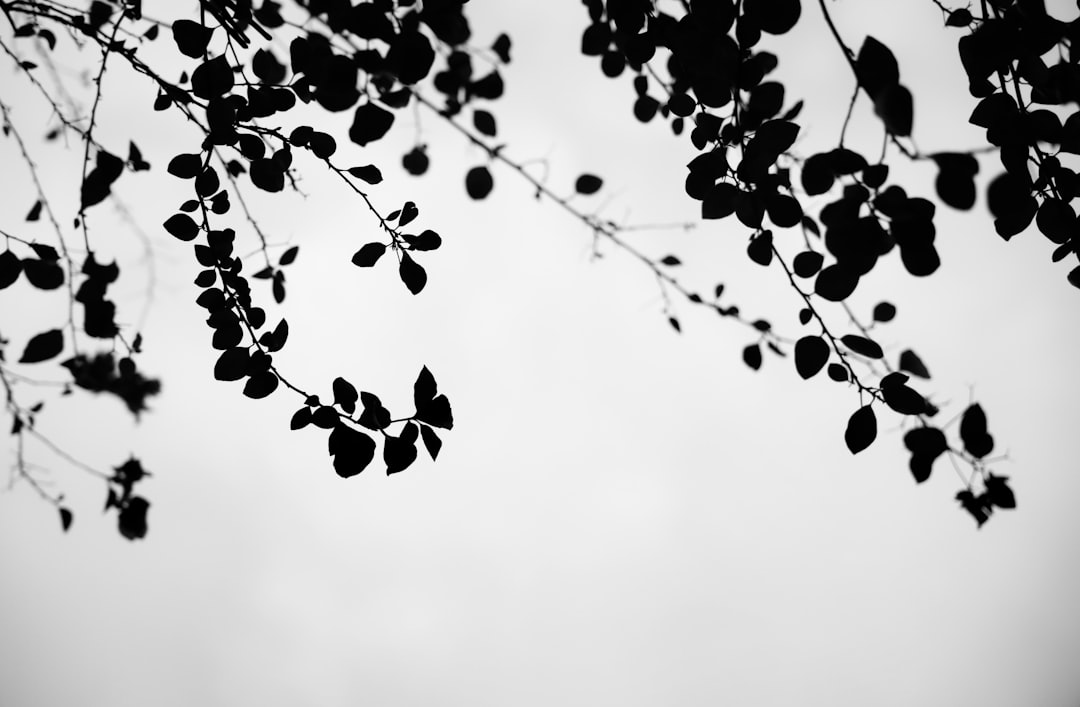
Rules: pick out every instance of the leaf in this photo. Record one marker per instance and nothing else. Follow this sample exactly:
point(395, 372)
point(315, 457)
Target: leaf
point(973, 433)
point(182, 226)
point(300, 419)
point(484, 122)
point(370, 123)
point(911, 363)
point(42, 347)
point(274, 340)
point(424, 389)
point(588, 184)
point(399, 452)
point(409, 212)
point(670, 260)
point(807, 263)
point(427, 240)
point(770, 140)
point(895, 108)
point(838, 372)
point(862, 346)
point(267, 174)
point(368, 173)
point(232, 364)
point(861, 429)
point(751, 356)
point(10, 269)
point(760, 249)
point(412, 274)
point(191, 38)
point(66, 517)
point(479, 182)
point(261, 385)
point(35, 211)
point(368, 255)
point(884, 312)
point(132, 518)
point(675, 324)
point(212, 79)
point(345, 395)
point(351, 449)
point(811, 355)
point(876, 68)
point(979, 507)
point(289, 256)
point(835, 282)
point(999, 493)
point(431, 441)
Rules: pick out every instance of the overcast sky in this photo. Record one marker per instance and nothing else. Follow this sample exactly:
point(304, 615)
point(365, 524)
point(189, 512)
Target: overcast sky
point(622, 514)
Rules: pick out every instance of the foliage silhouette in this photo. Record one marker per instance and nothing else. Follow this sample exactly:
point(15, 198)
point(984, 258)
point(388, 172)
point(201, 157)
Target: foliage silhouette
point(696, 67)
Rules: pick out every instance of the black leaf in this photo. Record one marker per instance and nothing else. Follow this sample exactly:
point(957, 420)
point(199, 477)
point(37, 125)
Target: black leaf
point(212, 79)
point(861, 429)
point(751, 356)
point(863, 346)
point(431, 441)
point(910, 362)
point(182, 226)
point(289, 256)
point(42, 347)
point(484, 122)
point(10, 269)
point(368, 173)
point(370, 123)
point(588, 184)
point(412, 274)
point(479, 182)
point(191, 38)
point(300, 419)
point(399, 452)
point(351, 449)
point(345, 395)
point(977, 441)
point(811, 355)
point(261, 385)
point(368, 255)
point(232, 364)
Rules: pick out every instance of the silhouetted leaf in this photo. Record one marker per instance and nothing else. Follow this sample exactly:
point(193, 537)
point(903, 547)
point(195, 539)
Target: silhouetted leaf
point(66, 517)
point(751, 356)
point(370, 123)
point(35, 212)
point(374, 416)
point(484, 122)
point(863, 346)
point(274, 340)
point(399, 452)
point(368, 173)
point(427, 240)
point(670, 260)
point(811, 354)
point(999, 493)
point(588, 184)
point(861, 429)
point(760, 249)
point(300, 419)
point(408, 213)
point(345, 395)
point(979, 507)
point(289, 256)
point(132, 518)
point(479, 182)
point(182, 226)
point(884, 312)
point(838, 372)
point(191, 38)
point(212, 78)
point(43, 346)
point(910, 362)
point(431, 441)
point(232, 364)
point(977, 441)
point(267, 174)
point(43, 274)
point(1074, 276)
point(368, 255)
point(835, 283)
point(412, 274)
point(261, 385)
point(424, 389)
point(807, 263)
point(10, 268)
point(351, 449)
point(959, 18)
point(925, 444)
point(877, 68)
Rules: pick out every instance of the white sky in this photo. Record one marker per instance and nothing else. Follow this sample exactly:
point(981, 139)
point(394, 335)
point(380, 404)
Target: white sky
point(622, 515)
